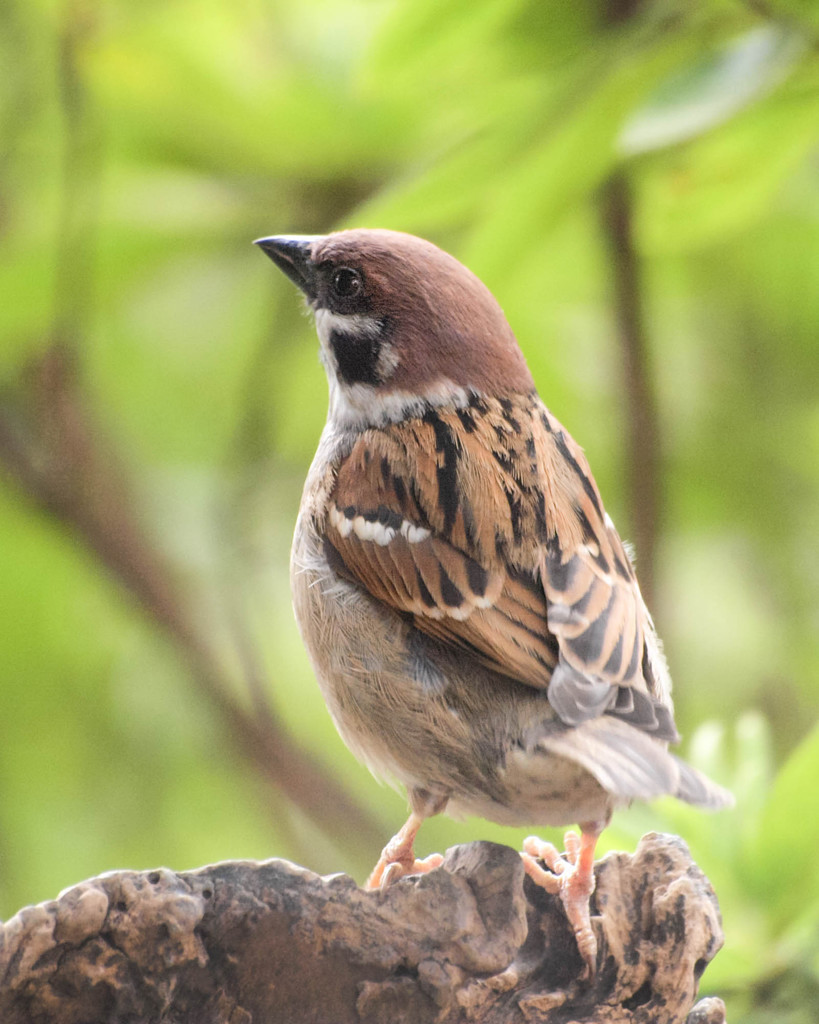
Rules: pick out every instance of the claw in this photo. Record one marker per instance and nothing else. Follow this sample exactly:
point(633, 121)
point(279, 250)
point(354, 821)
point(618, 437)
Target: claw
point(570, 876)
point(391, 873)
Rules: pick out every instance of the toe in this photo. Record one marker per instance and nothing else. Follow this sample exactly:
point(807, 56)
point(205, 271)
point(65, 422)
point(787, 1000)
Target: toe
point(420, 867)
point(545, 879)
point(572, 879)
point(547, 852)
point(388, 871)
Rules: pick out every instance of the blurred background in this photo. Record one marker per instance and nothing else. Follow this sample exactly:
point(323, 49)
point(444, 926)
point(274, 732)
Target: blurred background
point(638, 184)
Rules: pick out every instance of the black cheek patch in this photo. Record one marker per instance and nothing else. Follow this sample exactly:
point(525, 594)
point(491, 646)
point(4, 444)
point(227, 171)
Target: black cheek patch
point(356, 356)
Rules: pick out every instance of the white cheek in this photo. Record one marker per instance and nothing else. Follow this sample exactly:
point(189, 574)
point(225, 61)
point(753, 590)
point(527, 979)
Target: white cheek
point(345, 323)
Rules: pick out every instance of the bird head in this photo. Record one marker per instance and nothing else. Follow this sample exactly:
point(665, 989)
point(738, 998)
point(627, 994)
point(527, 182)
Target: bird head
point(402, 324)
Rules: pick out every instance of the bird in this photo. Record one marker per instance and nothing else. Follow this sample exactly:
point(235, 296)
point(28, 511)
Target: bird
point(471, 614)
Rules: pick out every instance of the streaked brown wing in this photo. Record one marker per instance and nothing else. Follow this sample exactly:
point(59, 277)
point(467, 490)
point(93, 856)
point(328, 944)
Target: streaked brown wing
point(595, 606)
point(486, 526)
point(610, 659)
point(421, 535)
point(499, 623)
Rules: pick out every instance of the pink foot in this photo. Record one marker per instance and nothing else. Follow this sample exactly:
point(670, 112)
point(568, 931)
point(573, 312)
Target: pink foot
point(572, 878)
point(398, 858)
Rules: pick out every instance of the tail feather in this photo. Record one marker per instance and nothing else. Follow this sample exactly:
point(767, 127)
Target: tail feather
point(631, 765)
point(696, 788)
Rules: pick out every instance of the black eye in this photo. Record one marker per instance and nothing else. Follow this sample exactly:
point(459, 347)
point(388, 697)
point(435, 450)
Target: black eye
point(347, 283)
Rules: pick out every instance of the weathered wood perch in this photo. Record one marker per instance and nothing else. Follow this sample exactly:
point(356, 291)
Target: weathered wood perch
point(261, 943)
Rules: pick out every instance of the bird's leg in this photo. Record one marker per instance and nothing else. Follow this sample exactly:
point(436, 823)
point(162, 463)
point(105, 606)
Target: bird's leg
point(572, 878)
point(398, 857)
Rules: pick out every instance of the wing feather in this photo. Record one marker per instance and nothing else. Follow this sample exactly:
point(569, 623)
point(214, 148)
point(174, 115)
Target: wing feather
point(486, 526)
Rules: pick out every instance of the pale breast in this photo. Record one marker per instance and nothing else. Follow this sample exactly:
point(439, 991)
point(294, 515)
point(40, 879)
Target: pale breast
point(360, 653)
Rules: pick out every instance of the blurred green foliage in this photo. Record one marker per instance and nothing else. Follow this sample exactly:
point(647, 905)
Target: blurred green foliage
point(145, 144)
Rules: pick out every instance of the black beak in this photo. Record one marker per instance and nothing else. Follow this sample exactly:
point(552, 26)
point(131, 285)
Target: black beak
point(291, 254)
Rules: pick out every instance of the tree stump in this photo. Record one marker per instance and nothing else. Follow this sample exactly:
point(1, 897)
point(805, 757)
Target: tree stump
point(260, 943)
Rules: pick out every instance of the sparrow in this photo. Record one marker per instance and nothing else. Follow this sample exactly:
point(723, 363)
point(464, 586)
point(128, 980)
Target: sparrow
point(470, 612)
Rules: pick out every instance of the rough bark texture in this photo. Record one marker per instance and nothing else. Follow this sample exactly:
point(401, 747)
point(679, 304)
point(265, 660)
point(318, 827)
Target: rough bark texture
point(244, 942)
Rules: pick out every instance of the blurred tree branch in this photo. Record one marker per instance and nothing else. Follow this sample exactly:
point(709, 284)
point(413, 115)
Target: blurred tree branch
point(643, 455)
point(54, 450)
point(60, 456)
point(643, 448)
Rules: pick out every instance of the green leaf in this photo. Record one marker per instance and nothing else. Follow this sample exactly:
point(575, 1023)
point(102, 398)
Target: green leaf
point(721, 182)
point(712, 89)
point(784, 854)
